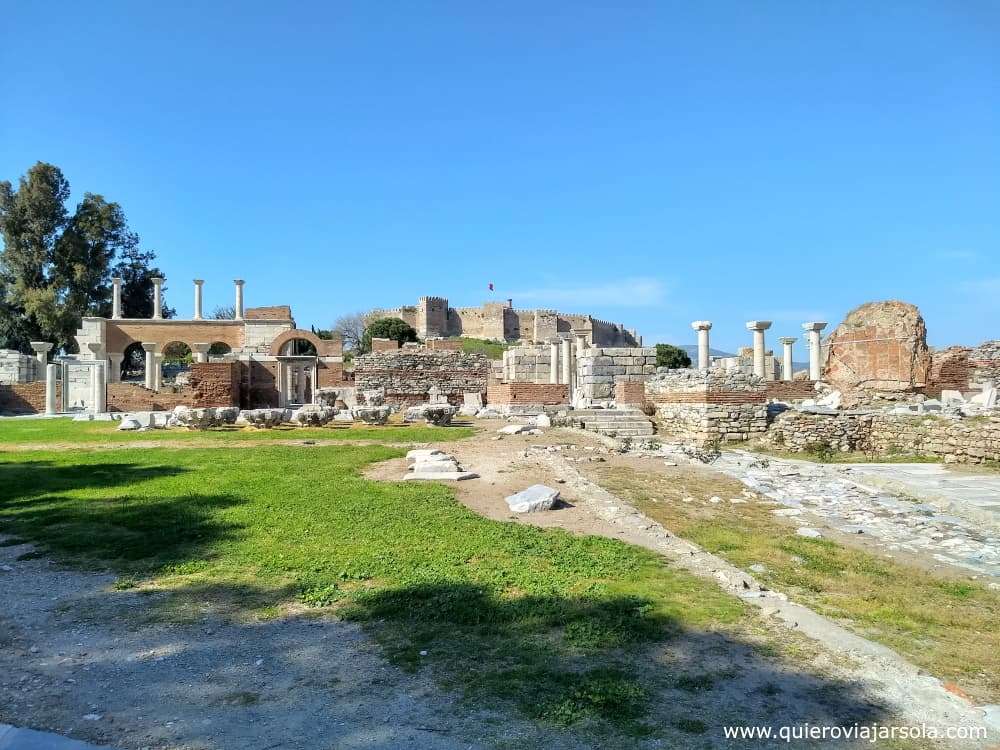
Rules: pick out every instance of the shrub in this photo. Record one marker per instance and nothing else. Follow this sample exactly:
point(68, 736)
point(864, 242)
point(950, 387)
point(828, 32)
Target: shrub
point(668, 355)
point(396, 329)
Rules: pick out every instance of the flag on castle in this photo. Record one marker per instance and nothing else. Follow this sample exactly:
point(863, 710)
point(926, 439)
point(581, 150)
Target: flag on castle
point(491, 286)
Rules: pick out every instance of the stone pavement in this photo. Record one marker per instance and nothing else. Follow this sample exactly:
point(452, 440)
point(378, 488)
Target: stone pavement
point(15, 738)
point(954, 490)
point(845, 499)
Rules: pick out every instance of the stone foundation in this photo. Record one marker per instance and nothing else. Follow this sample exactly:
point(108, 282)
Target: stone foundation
point(954, 440)
point(708, 406)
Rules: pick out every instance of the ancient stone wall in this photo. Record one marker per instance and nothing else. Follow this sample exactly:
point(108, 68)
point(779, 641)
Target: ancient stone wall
point(954, 440)
point(985, 361)
point(527, 364)
point(704, 407)
point(543, 394)
point(406, 376)
point(599, 369)
point(16, 367)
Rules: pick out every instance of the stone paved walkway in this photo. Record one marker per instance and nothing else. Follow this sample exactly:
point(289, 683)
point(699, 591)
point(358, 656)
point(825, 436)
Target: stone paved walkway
point(16, 738)
point(846, 498)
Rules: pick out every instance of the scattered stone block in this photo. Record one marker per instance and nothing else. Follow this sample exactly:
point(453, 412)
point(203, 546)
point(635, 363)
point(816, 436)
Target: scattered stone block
point(372, 414)
point(534, 499)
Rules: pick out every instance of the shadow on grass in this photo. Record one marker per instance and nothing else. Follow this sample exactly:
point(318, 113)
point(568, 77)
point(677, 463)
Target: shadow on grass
point(593, 659)
point(147, 532)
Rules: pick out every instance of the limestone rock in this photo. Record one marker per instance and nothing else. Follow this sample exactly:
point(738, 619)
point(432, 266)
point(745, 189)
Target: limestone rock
point(313, 415)
point(372, 414)
point(262, 418)
point(435, 465)
point(128, 424)
point(536, 498)
point(436, 414)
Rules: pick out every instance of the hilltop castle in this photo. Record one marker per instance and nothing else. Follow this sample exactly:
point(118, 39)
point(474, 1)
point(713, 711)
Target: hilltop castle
point(500, 321)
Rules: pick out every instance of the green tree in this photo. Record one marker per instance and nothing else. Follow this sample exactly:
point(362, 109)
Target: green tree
point(55, 267)
point(668, 355)
point(387, 328)
point(136, 271)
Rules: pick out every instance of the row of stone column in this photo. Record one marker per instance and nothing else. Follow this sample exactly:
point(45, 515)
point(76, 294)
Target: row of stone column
point(757, 327)
point(562, 360)
point(116, 299)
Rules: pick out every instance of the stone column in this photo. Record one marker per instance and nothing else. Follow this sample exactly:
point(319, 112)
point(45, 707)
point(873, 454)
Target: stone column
point(116, 298)
point(280, 385)
point(815, 348)
point(150, 348)
point(41, 354)
point(98, 381)
point(200, 352)
point(553, 362)
point(758, 327)
point(115, 371)
point(157, 298)
point(786, 359)
point(702, 327)
point(300, 384)
point(158, 372)
point(567, 365)
point(239, 298)
point(51, 378)
point(197, 298)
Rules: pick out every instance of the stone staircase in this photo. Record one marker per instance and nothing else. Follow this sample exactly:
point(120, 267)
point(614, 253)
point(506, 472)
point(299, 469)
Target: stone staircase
point(613, 422)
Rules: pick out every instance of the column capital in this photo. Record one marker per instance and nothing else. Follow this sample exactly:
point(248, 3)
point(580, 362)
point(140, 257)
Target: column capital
point(41, 347)
point(157, 280)
point(200, 347)
point(150, 346)
point(239, 282)
point(116, 280)
point(814, 326)
point(788, 340)
point(702, 325)
point(95, 348)
point(758, 325)
point(199, 282)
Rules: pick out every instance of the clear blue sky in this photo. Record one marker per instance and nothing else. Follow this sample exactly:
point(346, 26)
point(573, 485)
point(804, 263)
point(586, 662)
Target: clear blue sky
point(651, 163)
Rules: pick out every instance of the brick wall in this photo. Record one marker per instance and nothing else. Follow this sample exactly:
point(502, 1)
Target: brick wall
point(786, 390)
point(407, 375)
point(215, 383)
point(950, 370)
point(546, 394)
point(25, 398)
point(384, 345)
point(129, 397)
point(452, 345)
point(630, 393)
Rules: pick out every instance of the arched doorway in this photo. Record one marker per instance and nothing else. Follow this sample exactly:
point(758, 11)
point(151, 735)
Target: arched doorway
point(218, 349)
point(176, 363)
point(133, 367)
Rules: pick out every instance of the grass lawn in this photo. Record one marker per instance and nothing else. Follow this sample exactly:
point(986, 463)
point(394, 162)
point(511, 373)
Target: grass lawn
point(492, 349)
point(65, 431)
point(550, 622)
point(946, 625)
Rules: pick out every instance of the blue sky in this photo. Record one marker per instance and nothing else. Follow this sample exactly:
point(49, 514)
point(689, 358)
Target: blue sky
point(651, 163)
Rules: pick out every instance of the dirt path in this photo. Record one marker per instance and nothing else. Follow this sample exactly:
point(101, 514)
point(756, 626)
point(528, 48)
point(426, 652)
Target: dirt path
point(556, 458)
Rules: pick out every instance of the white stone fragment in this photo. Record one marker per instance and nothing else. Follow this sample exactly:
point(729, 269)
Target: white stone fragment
point(535, 498)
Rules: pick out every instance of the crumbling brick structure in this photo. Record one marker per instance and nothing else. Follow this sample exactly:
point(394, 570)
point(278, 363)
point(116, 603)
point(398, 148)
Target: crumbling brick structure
point(534, 394)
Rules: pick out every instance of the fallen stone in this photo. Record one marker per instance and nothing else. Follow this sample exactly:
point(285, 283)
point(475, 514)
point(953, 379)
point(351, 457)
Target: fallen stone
point(372, 414)
point(808, 533)
point(534, 499)
point(454, 476)
point(435, 414)
point(543, 420)
point(313, 415)
point(128, 424)
point(423, 453)
point(515, 429)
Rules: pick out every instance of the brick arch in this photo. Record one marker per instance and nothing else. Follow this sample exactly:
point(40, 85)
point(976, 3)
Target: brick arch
point(319, 344)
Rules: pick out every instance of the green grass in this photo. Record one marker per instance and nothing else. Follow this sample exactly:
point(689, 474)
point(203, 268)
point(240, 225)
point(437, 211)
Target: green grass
point(850, 457)
point(945, 625)
point(554, 623)
point(492, 349)
point(65, 431)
